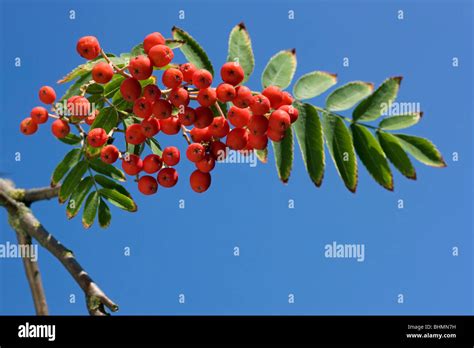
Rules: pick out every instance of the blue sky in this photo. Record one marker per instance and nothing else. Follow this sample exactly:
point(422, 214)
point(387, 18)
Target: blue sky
point(190, 251)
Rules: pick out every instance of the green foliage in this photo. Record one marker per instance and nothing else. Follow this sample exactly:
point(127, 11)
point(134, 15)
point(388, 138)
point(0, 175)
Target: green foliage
point(90, 209)
point(191, 49)
point(400, 121)
point(347, 96)
point(313, 84)
point(283, 151)
point(280, 70)
point(395, 153)
point(240, 50)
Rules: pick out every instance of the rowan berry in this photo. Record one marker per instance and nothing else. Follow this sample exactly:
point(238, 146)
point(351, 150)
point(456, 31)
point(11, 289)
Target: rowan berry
point(195, 152)
point(207, 164)
point(258, 125)
point(243, 97)
point(97, 137)
point(188, 70)
point(142, 107)
point(162, 109)
point(28, 126)
point(219, 127)
point(260, 105)
point(202, 78)
point(200, 135)
point(140, 67)
point(39, 114)
point(291, 111)
point(160, 55)
point(179, 96)
point(238, 117)
point(109, 154)
point(132, 164)
point(152, 93)
point(88, 47)
point(150, 127)
point(200, 181)
point(257, 142)
point(152, 163)
point(232, 73)
point(134, 134)
point(168, 177)
point(60, 128)
point(47, 95)
point(172, 78)
point(204, 117)
point(130, 89)
point(170, 125)
point(171, 156)
point(225, 92)
point(218, 150)
point(279, 120)
point(187, 116)
point(274, 94)
point(151, 40)
point(102, 72)
point(147, 185)
point(237, 138)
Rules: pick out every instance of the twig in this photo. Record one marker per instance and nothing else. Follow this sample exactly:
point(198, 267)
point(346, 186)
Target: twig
point(115, 67)
point(185, 135)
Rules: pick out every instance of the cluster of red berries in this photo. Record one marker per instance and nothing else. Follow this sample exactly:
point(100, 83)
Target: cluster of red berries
point(255, 117)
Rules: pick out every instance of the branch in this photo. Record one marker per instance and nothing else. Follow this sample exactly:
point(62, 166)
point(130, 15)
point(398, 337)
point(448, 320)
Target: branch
point(23, 221)
point(39, 194)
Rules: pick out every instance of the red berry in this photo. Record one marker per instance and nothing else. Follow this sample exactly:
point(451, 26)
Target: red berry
point(170, 125)
point(260, 105)
point(147, 185)
point(258, 125)
point(88, 47)
point(152, 93)
point(134, 134)
point(97, 137)
point(162, 109)
point(200, 181)
point(225, 92)
point(274, 94)
point(160, 55)
point(202, 78)
point(188, 70)
point(39, 115)
point(60, 128)
point(168, 177)
point(279, 120)
point(286, 100)
point(237, 138)
point(232, 73)
point(78, 106)
point(243, 97)
point(238, 117)
point(207, 164)
point(142, 107)
point(172, 78)
point(195, 152)
point(109, 154)
point(102, 72)
point(200, 135)
point(28, 126)
point(219, 150)
point(152, 163)
point(207, 97)
point(130, 89)
point(187, 116)
point(132, 164)
point(171, 156)
point(140, 67)
point(151, 40)
point(179, 96)
point(150, 127)
point(204, 117)
point(290, 110)
point(47, 95)
point(275, 135)
point(258, 142)
point(219, 127)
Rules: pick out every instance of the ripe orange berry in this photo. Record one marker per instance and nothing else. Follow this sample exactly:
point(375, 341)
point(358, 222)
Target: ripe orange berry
point(179, 96)
point(195, 152)
point(274, 94)
point(150, 127)
point(219, 127)
point(39, 114)
point(151, 40)
point(187, 116)
point(172, 78)
point(47, 95)
point(78, 106)
point(152, 163)
point(109, 154)
point(200, 135)
point(290, 110)
point(147, 185)
point(60, 128)
point(237, 138)
point(200, 181)
point(160, 55)
point(168, 177)
point(152, 93)
point(218, 150)
point(202, 78)
point(243, 97)
point(232, 73)
point(258, 125)
point(97, 137)
point(140, 67)
point(279, 120)
point(275, 135)
point(88, 47)
point(28, 126)
point(207, 164)
point(134, 134)
point(142, 107)
point(257, 142)
point(260, 105)
point(225, 92)
point(162, 109)
point(130, 89)
point(188, 70)
point(102, 72)
point(90, 119)
point(171, 156)
point(207, 97)
point(238, 117)
point(204, 117)
point(170, 125)
point(132, 164)
point(286, 100)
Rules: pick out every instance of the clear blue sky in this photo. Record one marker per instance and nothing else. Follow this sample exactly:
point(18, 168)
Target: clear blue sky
point(190, 250)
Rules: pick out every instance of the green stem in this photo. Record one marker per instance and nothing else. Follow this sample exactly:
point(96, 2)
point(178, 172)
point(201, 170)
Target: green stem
point(344, 118)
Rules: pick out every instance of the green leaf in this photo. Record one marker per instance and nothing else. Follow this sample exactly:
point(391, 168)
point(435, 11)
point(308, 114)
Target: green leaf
point(280, 69)
point(107, 169)
point(78, 196)
point(373, 106)
point(87, 67)
point(173, 44)
point(75, 88)
point(137, 50)
point(347, 96)
point(310, 138)
point(400, 121)
point(155, 146)
point(422, 149)
point(395, 153)
point(193, 52)
point(111, 184)
point(113, 86)
point(72, 180)
point(262, 155)
point(341, 148)
point(69, 161)
point(71, 139)
point(240, 49)
point(283, 152)
point(313, 84)
point(90, 209)
point(107, 119)
point(95, 88)
point(118, 199)
point(372, 156)
point(104, 214)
